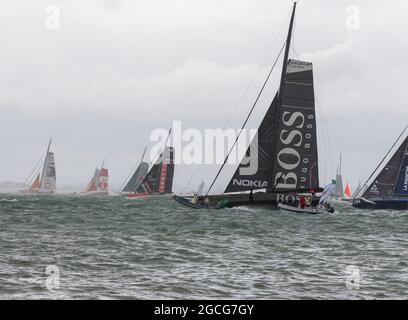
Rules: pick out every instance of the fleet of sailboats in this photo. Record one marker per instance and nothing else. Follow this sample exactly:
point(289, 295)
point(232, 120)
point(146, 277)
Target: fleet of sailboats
point(152, 179)
point(159, 179)
point(285, 149)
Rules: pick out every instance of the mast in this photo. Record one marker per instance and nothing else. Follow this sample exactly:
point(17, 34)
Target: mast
point(286, 55)
point(340, 163)
point(280, 95)
point(144, 151)
point(45, 162)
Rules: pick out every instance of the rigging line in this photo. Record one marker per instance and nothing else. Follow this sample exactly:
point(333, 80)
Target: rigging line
point(133, 170)
point(326, 141)
point(160, 151)
point(257, 72)
point(29, 178)
point(293, 39)
point(189, 181)
point(383, 159)
point(247, 118)
point(247, 88)
point(326, 131)
point(324, 145)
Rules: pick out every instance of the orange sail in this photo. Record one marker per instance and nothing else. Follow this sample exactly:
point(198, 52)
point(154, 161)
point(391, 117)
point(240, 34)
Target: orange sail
point(36, 184)
point(347, 191)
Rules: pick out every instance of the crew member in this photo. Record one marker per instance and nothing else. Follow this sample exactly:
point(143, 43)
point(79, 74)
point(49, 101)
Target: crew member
point(302, 202)
point(195, 198)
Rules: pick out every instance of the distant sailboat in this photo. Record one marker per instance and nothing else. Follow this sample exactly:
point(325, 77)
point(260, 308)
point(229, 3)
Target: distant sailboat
point(339, 182)
point(99, 182)
point(387, 187)
point(159, 179)
point(137, 177)
point(347, 192)
point(44, 181)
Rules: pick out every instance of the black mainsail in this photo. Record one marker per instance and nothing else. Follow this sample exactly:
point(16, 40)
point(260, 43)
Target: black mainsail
point(284, 152)
point(296, 160)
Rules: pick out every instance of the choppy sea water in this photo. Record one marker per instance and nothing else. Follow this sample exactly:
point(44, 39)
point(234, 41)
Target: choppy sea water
point(114, 248)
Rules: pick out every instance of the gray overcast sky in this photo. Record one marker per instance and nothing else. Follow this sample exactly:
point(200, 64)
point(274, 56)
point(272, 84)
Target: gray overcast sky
point(116, 70)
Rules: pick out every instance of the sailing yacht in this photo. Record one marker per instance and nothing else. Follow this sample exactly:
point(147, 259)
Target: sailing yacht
point(99, 182)
point(156, 181)
point(285, 146)
point(387, 187)
point(45, 180)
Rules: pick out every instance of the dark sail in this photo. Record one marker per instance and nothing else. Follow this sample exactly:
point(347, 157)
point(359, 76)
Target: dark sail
point(254, 170)
point(167, 172)
point(137, 177)
point(295, 157)
point(160, 177)
point(401, 186)
point(286, 148)
point(392, 179)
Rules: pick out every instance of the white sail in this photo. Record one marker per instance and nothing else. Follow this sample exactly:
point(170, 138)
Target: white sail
point(48, 177)
point(328, 192)
point(357, 190)
point(339, 182)
point(200, 188)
